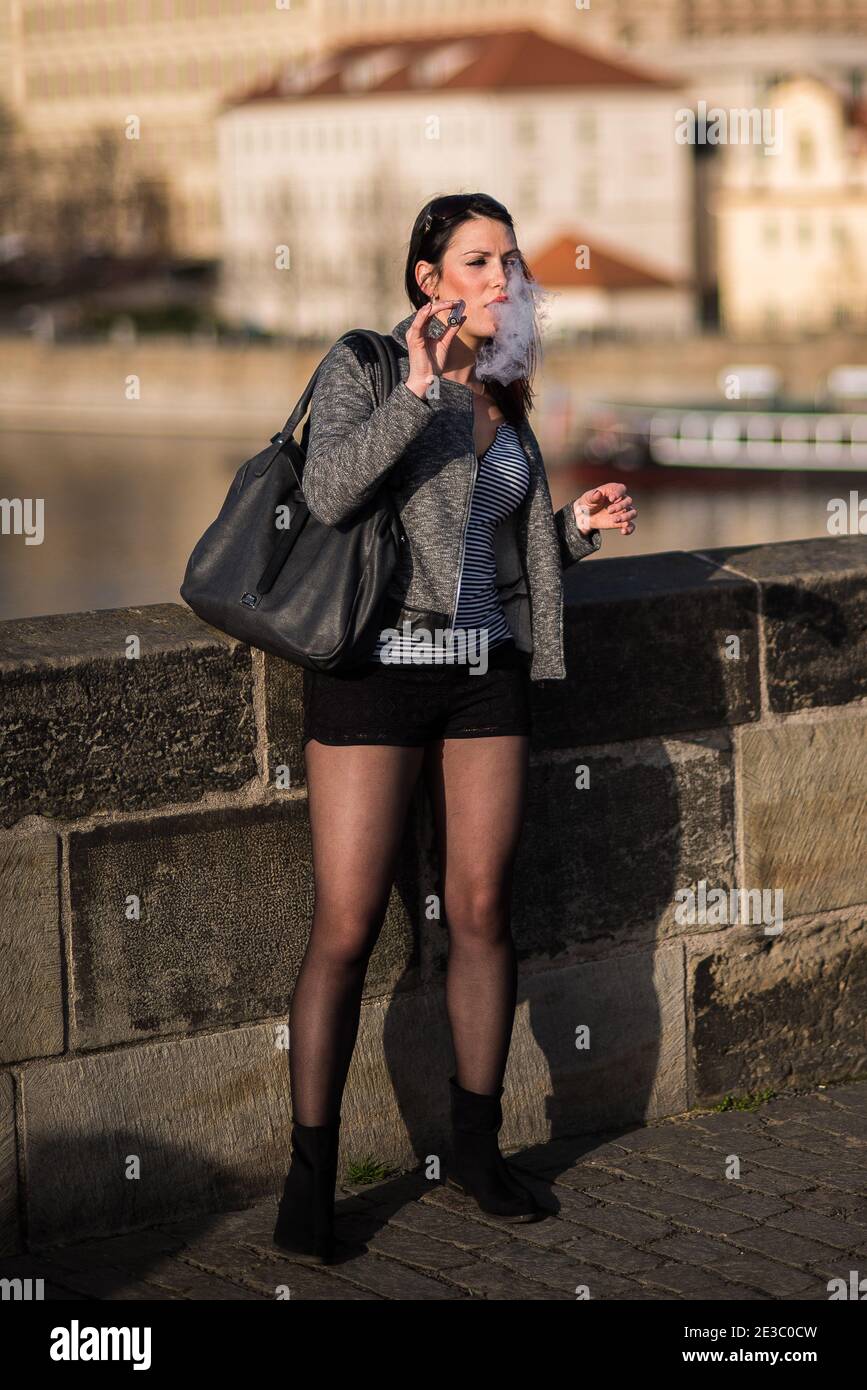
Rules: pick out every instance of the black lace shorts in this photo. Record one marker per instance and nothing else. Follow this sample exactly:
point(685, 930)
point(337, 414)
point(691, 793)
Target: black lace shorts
point(414, 705)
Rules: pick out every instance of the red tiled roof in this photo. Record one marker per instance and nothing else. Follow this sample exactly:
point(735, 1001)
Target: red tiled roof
point(555, 265)
point(499, 60)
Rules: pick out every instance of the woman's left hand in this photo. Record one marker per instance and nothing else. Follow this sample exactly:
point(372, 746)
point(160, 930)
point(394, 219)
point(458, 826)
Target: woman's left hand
point(605, 507)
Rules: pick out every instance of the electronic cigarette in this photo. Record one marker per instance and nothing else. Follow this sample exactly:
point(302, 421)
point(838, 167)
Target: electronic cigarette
point(436, 328)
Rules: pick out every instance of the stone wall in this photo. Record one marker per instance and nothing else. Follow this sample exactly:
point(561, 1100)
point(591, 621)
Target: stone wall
point(157, 887)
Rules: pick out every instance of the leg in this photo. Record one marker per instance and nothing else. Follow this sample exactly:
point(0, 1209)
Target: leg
point(478, 790)
point(358, 797)
point(478, 786)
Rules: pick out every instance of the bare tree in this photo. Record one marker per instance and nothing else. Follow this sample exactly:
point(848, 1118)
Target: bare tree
point(67, 202)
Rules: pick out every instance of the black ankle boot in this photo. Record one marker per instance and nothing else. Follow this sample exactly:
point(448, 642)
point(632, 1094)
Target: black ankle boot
point(305, 1217)
point(479, 1169)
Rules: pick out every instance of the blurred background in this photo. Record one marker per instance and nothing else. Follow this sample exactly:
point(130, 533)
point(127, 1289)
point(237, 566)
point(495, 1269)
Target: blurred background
point(198, 196)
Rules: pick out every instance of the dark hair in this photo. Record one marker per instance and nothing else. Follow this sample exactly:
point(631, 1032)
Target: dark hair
point(431, 234)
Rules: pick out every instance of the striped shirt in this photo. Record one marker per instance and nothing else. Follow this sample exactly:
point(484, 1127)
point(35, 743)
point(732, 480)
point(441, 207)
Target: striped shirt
point(502, 480)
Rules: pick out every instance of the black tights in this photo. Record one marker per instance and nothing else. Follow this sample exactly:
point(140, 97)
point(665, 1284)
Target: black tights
point(358, 798)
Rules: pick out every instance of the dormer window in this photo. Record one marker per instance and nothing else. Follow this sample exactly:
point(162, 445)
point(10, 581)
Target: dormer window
point(371, 69)
point(442, 63)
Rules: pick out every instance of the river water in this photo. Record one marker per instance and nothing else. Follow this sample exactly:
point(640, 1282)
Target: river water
point(122, 513)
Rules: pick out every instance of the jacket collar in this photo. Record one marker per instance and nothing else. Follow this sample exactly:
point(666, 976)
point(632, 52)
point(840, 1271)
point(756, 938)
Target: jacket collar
point(399, 330)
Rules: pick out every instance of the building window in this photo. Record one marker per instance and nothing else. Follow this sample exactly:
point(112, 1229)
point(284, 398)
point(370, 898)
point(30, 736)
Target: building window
point(585, 127)
point(528, 196)
point(588, 194)
point(771, 232)
point(525, 129)
point(806, 152)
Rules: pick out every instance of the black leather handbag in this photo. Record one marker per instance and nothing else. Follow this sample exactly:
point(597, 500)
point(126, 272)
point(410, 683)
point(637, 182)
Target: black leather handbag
point(270, 574)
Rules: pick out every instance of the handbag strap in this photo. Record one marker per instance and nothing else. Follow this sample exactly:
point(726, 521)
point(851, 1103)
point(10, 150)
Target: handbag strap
point(385, 353)
point(386, 359)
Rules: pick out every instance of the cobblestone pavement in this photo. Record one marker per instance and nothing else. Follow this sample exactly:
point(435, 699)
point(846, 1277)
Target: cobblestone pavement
point(644, 1214)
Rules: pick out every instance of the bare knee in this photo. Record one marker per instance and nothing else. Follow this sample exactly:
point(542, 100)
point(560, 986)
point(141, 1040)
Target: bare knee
point(345, 933)
point(479, 914)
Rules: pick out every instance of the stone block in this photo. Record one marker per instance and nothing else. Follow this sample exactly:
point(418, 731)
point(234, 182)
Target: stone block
point(814, 617)
point(634, 1067)
point(31, 1000)
point(804, 810)
point(645, 647)
point(604, 862)
point(283, 717)
point(203, 1121)
point(781, 1012)
point(226, 901)
point(10, 1235)
point(84, 728)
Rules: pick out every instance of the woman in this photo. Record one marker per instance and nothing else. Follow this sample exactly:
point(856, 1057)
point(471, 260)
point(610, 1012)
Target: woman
point(482, 559)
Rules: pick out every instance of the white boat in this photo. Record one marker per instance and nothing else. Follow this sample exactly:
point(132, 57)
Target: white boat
point(762, 432)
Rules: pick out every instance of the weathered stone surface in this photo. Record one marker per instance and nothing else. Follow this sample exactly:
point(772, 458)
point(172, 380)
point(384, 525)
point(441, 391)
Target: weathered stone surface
point(777, 1011)
point(634, 1067)
point(814, 617)
point(226, 900)
point(604, 862)
point(84, 728)
point(31, 998)
point(396, 1102)
point(10, 1239)
point(283, 717)
point(207, 1117)
point(804, 803)
point(644, 641)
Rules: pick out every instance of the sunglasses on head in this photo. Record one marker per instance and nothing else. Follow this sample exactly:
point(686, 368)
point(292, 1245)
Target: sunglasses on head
point(446, 207)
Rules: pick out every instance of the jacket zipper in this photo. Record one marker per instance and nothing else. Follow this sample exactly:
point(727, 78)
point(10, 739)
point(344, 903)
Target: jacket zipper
point(464, 540)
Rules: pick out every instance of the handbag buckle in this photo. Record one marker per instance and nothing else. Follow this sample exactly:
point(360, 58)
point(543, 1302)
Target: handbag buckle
point(250, 600)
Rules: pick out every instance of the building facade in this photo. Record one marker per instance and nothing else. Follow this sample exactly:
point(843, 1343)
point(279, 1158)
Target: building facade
point(324, 171)
point(792, 227)
point(68, 66)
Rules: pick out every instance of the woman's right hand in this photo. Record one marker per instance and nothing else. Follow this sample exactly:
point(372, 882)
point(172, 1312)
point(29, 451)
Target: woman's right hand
point(427, 356)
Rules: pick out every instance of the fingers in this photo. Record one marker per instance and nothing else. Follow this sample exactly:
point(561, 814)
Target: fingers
point(620, 506)
point(414, 332)
point(426, 350)
point(450, 332)
point(432, 307)
point(622, 511)
point(623, 506)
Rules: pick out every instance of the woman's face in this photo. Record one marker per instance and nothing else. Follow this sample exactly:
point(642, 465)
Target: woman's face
point(477, 264)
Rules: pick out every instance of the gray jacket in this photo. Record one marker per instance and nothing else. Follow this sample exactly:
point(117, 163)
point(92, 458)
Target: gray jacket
point(424, 451)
